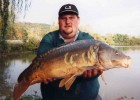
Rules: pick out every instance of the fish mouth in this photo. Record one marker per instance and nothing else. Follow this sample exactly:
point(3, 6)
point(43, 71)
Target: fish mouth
point(125, 65)
point(127, 62)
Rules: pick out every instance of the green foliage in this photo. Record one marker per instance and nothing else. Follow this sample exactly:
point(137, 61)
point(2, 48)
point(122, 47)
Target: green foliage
point(30, 97)
point(31, 35)
point(15, 47)
point(3, 47)
point(125, 40)
point(25, 97)
point(31, 45)
point(4, 15)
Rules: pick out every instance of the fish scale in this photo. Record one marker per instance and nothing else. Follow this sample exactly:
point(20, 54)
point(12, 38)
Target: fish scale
point(67, 48)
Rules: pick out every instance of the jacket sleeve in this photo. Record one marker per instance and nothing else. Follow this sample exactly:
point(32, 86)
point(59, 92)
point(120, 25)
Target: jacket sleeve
point(83, 36)
point(45, 44)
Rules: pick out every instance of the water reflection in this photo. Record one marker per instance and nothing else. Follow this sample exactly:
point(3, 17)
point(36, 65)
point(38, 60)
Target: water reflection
point(123, 82)
point(3, 84)
point(120, 82)
point(10, 68)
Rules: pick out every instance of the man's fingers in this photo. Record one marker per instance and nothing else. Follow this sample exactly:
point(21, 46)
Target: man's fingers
point(85, 74)
point(100, 72)
point(94, 72)
point(89, 73)
point(46, 81)
point(49, 80)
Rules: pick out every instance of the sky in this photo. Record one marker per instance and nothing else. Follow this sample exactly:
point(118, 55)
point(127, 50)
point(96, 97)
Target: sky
point(103, 16)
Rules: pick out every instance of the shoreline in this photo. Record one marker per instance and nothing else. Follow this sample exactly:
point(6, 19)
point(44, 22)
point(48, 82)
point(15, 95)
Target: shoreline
point(15, 53)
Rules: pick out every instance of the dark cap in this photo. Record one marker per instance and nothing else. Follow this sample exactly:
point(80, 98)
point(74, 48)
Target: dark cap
point(68, 9)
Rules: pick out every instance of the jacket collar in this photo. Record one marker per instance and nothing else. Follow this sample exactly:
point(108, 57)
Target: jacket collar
point(75, 38)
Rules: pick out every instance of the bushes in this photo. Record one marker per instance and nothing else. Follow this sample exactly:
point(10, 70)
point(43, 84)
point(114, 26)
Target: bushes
point(29, 45)
point(15, 47)
point(25, 97)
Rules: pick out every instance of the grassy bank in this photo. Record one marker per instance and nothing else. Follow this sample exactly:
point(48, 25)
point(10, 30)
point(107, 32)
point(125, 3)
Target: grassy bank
point(15, 48)
point(24, 97)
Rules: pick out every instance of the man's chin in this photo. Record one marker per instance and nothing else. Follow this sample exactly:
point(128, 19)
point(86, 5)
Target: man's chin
point(67, 32)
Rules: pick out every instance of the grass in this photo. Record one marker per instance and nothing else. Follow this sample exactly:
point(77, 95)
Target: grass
point(25, 97)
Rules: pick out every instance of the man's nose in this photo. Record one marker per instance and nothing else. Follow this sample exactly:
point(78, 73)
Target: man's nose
point(67, 20)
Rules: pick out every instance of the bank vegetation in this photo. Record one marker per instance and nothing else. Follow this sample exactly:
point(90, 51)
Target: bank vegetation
point(23, 37)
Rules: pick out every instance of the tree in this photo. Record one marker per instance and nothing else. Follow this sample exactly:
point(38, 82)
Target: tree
point(108, 39)
point(118, 39)
point(4, 4)
point(9, 7)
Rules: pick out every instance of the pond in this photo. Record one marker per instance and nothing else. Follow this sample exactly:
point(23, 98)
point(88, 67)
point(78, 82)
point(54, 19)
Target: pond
point(121, 83)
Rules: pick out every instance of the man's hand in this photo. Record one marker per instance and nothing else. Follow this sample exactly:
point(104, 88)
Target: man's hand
point(92, 73)
point(46, 81)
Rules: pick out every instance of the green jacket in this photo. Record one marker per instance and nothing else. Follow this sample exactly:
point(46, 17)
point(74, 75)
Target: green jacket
point(81, 89)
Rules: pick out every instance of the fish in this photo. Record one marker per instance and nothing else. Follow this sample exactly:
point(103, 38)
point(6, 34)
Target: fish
point(68, 61)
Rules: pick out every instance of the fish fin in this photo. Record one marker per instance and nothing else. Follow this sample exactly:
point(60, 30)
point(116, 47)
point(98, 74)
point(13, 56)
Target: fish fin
point(102, 76)
point(19, 89)
point(70, 78)
point(63, 81)
point(70, 82)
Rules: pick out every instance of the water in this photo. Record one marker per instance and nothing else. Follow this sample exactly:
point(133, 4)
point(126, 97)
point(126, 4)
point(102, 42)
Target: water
point(121, 83)
point(10, 68)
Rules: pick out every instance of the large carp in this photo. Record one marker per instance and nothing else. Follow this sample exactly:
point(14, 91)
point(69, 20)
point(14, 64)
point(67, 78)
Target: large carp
point(69, 61)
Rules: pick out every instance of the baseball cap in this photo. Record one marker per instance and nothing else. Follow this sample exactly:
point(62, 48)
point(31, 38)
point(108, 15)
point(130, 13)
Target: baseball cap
point(68, 9)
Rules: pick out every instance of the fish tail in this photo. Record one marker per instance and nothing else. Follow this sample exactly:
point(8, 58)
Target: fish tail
point(19, 89)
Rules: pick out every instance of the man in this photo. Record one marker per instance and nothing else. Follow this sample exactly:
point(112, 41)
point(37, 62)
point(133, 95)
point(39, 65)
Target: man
point(86, 87)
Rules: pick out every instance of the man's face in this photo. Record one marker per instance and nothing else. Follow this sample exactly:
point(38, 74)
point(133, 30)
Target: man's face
point(68, 25)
